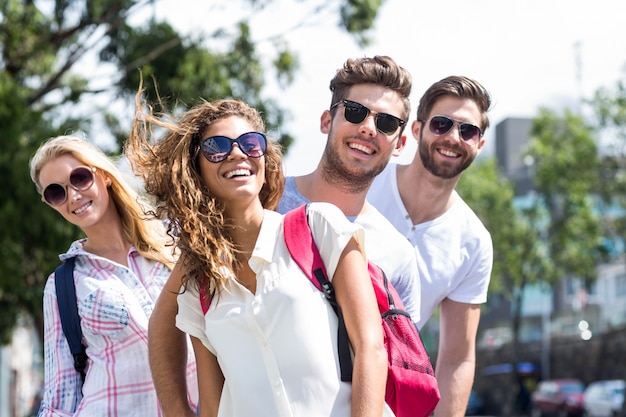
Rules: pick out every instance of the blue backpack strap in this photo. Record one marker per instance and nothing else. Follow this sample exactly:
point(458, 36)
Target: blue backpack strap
point(68, 310)
point(304, 251)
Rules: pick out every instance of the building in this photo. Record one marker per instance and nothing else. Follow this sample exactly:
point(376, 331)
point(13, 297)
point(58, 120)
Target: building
point(512, 138)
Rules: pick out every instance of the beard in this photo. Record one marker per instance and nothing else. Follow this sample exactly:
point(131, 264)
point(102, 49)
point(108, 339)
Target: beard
point(442, 170)
point(351, 178)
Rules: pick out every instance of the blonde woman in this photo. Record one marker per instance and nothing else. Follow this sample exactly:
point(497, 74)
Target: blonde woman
point(120, 268)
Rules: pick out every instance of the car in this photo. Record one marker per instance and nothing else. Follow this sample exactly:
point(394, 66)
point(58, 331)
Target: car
point(557, 397)
point(604, 398)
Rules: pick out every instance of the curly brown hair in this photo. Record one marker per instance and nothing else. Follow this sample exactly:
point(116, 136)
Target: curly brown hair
point(170, 170)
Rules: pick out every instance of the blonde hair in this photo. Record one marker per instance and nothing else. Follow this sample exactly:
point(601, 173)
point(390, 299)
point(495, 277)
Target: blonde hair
point(170, 169)
point(148, 237)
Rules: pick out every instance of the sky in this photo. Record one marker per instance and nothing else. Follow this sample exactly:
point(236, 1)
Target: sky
point(528, 54)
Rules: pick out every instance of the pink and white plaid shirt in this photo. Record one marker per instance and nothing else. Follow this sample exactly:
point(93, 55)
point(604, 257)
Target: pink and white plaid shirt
point(114, 304)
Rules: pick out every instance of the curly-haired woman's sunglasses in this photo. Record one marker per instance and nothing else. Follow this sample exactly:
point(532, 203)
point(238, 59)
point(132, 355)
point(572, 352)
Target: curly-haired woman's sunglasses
point(81, 179)
point(217, 148)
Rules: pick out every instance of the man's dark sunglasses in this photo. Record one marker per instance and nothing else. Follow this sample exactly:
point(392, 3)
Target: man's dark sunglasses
point(81, 179)
point(217, 148)
point(355, 113)
point(440, 125)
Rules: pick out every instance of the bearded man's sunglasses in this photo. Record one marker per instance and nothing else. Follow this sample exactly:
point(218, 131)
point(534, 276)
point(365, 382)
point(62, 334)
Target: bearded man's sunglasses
point(81, 179)
point(355, 113)
point(440, 125)
point(217, 148)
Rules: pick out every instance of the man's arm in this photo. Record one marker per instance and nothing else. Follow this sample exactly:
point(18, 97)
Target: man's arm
point(167, 347)
point(456, 358)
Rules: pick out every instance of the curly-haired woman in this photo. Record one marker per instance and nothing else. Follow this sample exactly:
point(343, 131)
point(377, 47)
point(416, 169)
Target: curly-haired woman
point(266, 346)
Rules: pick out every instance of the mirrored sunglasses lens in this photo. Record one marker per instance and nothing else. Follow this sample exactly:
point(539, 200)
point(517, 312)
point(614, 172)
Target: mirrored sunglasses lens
point(54, 194)
point(469, 131)
point(81, 178)
point(386, 123)
point(355, 112)
point(440, 125)
point(253, 144)
point(216, 148)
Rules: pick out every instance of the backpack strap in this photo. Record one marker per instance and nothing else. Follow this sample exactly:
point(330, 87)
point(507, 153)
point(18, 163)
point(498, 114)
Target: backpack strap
point(302, 248)
point(205, 300)
point(68, 310)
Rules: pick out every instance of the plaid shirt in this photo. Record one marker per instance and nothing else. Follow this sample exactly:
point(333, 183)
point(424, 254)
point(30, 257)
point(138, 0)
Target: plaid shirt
point(114, 304)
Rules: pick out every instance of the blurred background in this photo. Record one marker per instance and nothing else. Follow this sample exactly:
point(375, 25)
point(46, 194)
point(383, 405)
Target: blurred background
point(550, 184)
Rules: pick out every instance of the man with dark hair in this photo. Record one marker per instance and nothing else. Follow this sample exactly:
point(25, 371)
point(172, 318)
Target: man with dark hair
point(364, 124)
point(454, 250)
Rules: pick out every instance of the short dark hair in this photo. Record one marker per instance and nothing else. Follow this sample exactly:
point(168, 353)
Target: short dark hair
point(377, 70)
point(460, 87)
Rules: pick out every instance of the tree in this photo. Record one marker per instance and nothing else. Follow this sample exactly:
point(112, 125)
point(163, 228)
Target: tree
point(43, 93)
point(566, 166)
point(550, 234)
point(520, 257)
point(609, 109)
point(553, 233)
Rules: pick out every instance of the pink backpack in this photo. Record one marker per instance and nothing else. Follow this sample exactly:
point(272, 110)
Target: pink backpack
point(411, 385)
point(412, 389)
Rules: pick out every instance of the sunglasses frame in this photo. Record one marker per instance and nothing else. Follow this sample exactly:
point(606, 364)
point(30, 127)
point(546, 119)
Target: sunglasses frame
point(91, 170)
point(237, 140)
point(457, 123)
point(377, 116)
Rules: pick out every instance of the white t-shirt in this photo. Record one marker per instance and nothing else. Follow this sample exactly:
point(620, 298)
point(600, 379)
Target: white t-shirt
point(277, 348)
point(454, 251)
point(384, 246)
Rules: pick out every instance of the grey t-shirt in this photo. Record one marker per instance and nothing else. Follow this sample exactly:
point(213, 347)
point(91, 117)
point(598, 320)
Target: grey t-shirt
point(384, 246)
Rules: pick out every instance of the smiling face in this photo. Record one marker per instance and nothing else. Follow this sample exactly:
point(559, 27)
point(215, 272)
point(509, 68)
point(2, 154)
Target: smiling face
point(448, 155)
point(85, 209)
point(356, 152)
point(238, 179)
